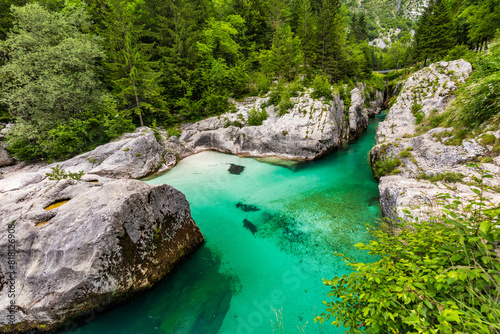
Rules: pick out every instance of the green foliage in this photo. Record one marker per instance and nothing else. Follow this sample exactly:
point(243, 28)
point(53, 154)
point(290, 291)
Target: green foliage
point(321, 87)
point(80, 133)
point(478, 102)
point(285, 55)
point(51, 85)
point(256, 117)
point(285, 104)
point(436, 276)
point(416, 110)
point(446, 177)
point(386, 166)
point(488, 139)
point(434, 36)
point(58, 174)
point(133, 76)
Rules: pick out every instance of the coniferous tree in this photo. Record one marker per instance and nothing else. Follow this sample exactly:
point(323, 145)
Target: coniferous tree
point(176, 27)
point(133, 76)
point(306, 30)
point(330, 39)
point(435, 33)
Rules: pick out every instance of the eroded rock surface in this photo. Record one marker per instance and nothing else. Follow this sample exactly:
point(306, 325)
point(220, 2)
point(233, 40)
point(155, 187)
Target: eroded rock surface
point(429, 154)
point(132, 156)
point(309, 130)
point(111, 240)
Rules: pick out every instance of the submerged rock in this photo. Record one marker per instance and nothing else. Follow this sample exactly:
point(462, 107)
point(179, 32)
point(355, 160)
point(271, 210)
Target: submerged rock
point(110, 240)
point(247, 207)
point(236, 169)
point(249, 226)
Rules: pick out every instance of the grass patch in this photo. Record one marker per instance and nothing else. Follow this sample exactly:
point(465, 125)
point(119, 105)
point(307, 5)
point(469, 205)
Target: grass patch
point(442, 177)
point(386, 166)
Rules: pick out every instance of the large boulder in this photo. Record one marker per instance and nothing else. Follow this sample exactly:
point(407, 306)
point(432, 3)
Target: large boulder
point(110, 240)
point(132, 156)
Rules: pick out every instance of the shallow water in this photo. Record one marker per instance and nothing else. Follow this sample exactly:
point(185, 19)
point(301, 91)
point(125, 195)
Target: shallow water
point(271, 233)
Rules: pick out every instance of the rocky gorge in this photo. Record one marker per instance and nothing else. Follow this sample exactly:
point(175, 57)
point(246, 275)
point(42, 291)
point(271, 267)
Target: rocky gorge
point(87, 235)
point(419, 161)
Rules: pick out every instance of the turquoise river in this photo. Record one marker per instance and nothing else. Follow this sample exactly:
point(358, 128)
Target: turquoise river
point(271, 233)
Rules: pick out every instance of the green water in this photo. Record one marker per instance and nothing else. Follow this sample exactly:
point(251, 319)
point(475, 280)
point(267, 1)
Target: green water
point(272, 255)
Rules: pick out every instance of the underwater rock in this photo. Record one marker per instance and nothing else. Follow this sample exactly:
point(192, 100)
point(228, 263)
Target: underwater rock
point(248, 225)
point(111, 240)
point(374, 200)
point(236, 169)
point(247, 207)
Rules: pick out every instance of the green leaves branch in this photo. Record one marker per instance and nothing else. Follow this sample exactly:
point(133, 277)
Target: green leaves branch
point(441, 275)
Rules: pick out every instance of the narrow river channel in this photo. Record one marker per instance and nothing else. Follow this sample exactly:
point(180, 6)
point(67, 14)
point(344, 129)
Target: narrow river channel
point(271, 233)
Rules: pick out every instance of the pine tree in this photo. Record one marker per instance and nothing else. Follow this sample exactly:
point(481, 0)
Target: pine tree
point(306, 30)
point(435, 33)
point(330, 39)
point(285, 57)
point(133, 76)
point(176, 27)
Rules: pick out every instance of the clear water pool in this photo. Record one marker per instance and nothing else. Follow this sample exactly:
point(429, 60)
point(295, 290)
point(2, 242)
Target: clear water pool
point(271, 233)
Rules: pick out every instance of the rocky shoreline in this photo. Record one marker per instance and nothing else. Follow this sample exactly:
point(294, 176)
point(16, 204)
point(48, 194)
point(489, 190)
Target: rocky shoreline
point(427, 155)
point(88, 243)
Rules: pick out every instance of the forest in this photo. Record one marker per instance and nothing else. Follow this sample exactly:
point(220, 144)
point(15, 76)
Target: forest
point(77, 73)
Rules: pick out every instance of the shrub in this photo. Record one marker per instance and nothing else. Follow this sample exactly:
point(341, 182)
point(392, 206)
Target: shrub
point(256, 118)
point(321, 87)
point(285, 104)
point(60, 174)
point(436, 276)
point(386, 166)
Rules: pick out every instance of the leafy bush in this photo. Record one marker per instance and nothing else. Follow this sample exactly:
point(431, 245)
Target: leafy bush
point(416, 111)
point(60, 174)
point(386, 166)
point(460, 52)
point(488, 139)
point(285, 104)
point(479, 100)
point(321, 87)
point(79, 134)
point(256, 118)
point(436, 276)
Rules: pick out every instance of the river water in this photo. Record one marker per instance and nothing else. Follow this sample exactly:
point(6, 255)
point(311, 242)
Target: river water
point(271, 233)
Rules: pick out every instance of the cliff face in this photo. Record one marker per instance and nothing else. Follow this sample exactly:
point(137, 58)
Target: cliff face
point(413, 157)
point(108, 240)
point(309, 130)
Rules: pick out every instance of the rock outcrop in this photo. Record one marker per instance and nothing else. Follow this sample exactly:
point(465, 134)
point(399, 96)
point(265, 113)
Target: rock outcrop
point(426, 155)
point(309, 130)
point(133, 156)
point(110, 240)
point(5, 159)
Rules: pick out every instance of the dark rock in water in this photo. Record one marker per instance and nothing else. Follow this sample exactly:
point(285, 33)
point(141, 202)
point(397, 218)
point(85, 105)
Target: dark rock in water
point(247, 207)
point(373, 201)
point(248, 225)
point(236, 169)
